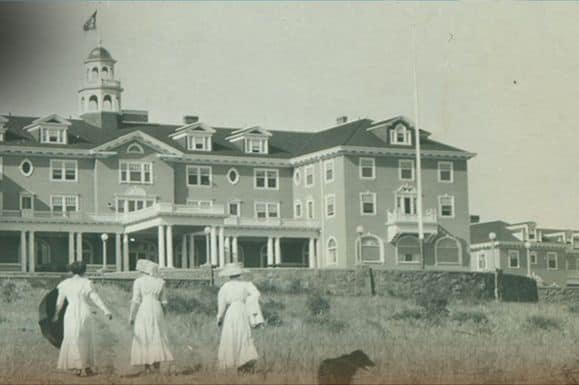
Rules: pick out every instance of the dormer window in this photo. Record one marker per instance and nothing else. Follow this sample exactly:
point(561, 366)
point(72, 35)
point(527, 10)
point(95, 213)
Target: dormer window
point(3, 122)
point(252, 140)
point(400, 135)
point(195, 136)
point(53, 135)
point(52, 129)
point(199, 142)
point(256, 145)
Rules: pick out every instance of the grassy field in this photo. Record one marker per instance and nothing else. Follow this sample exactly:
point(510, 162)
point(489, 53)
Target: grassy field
point(484, 343)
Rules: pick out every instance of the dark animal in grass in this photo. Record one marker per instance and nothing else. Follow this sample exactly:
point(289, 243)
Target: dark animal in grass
point(340, 370)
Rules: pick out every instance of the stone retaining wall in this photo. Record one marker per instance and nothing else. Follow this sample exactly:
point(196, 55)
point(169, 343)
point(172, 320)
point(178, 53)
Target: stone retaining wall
point(559, 295)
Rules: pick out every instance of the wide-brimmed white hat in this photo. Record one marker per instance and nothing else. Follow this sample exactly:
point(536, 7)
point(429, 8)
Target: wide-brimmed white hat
point(232, 269)
point(142, 265)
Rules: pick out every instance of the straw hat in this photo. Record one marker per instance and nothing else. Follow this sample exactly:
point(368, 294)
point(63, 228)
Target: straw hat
point(153, 269)
point(232, 269)
point(142, 265)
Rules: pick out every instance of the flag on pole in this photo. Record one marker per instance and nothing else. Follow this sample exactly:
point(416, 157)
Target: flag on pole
point(90, 24)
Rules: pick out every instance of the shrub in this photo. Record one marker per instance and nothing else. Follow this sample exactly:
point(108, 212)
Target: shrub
point(13, 290)
point(327, 323)
point(433, 302)
point(202, 303)
point(270, 310)
point(476, 317)
point(543, 322)
point(574, 307)
point(317, 305)
point(408, 315)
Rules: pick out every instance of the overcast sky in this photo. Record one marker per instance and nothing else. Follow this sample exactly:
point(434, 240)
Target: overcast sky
point(497, 79)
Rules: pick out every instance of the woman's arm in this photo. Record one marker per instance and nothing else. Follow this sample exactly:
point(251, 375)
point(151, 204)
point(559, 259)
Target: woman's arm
point(59, 305)
point(221, 307)
point(99, 302)
point(135, 301)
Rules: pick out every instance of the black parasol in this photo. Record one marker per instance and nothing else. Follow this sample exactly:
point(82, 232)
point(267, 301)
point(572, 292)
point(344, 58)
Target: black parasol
point(52, 331)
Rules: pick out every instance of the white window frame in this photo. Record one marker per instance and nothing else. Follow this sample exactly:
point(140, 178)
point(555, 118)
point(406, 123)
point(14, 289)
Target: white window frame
point(203, 140)
point(536, 261)
point(397, 249)
point(329, 165)
point(135, 148)
point(451, 170)
point(236, 180)
point(359, 247)
point(266, 176)
point(298, 209)
point(459, 247)
point(330, 201)
point(26, 195)
point(64, 204)
point(406, 132)
point(373, 195)
point(31, 167)
point(361, 167)
point(198, 168)
point(334, 249)
point(412, 170)
point(484, 259)
point(236, 203)
point(514, 253)
point(61, 135)
point(309, 170)
point(63, 170)
point(446, 196)
point(142, 166)
point(310, 214)
point(256, 145)
point(267, 205)
point(200, 203)
point(552, 254)
point(122, 203)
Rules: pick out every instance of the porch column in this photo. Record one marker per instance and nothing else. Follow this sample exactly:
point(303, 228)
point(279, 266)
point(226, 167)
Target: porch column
point(318, 253)
point(234, 250)
point(184, 251)
point(161, 245)
point(31, 252)
point(227, 250)
point(79, 247)
point(170, 246)
point(221, 248)
point(277, 251)
point(118, 255)
point(23, 253)
point(269, 251)
point(191, 251)
point(311, 253)
point(126, 251)
point(104, 239)
point(70, 247)
point(208, 248)
point(213, 246)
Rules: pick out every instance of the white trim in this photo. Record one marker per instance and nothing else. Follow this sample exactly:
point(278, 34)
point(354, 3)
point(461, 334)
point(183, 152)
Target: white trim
point(267, 211)
point(533, 252)
point(440, 213)
point(142, 166)
point(397, 248)
point(140, 136)
point(375, 209)
point(298, 213)
point(359, 246)
point(237, 203)
point(309, 170)
point(327, 249)
point(200, 203)
point(46, 130)
point(297, 176)
point(549, 255)
point(412, 170)
point(63, 170)
point(445, 162)
point(407, 141)
point(515, 253)
point(137, 146)
point(360, 168)
point(327, 201)
point(310, 214)
point(478, 261)
point(192, 139)
point(25, 194)
point(198, 171)
point(266, 171)
point(64, 205)
point(236, 180)
point(327, 163)
point(1, 168)
point(31, 167)
point(458, 245)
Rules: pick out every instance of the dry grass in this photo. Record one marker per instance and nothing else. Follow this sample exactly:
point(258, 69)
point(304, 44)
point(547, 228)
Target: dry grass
point(503, 350)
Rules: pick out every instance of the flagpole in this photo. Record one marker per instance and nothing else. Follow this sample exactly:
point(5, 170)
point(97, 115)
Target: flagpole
point(418, 157)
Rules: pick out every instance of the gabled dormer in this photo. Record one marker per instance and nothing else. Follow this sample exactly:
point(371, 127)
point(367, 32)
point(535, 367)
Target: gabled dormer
point(398, 131)
point(52, 129)
point(3, 122)
point(195, 136)
point(251, 140)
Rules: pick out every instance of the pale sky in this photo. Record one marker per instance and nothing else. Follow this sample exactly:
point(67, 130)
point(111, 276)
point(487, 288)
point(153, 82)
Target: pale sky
point(499, 79)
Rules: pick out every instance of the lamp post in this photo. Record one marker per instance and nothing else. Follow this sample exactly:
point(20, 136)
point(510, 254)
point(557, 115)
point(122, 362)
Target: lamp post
point(497, 262)
point(359, 231)
point(104, 237)
point(528, 248)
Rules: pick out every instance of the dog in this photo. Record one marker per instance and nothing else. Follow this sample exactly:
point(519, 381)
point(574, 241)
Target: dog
point(340, 370)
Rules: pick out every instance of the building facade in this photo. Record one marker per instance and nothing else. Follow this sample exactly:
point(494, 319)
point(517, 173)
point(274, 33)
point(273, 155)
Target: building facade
point(549, 255)
point(112, 187)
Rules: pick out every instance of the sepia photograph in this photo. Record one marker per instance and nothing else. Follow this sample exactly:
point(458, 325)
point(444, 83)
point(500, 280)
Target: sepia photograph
point(289, 192)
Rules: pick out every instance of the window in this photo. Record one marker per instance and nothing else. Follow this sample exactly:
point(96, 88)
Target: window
point(552, 263)
point(136, 172)
point(135, 148)
point(400, 135)
point(256, 145)
point(332, 251)
point(533, 257)
point(26, 167)
point(445, 172)
point(199, 143)
point(233, 176)
point(368, 203)
point(1, 168)
point(482, 261)
point(309, 176)
point(367, 168)
point(64, 203)
point(446, 206)
point(26, 201)
point(408, 250)
point(406, 200)
point(310, 209)
point(199, 204)
point(266, 210)
point(448, 251)
point(369, 249)
point(63, 170)
point(297, 177)
point(53, 135)
point(234, 209)
point(127, 205)
point(266, 179)
point(297, 209)
point(514, 259)
point(199, 176)
point(329, 171)
point(406, 169)
point(330, 206)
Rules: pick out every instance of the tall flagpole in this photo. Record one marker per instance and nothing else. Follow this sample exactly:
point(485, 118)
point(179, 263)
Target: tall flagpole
point(418, 157)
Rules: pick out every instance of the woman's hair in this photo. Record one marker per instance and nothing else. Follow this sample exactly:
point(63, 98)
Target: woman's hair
point(77, 267)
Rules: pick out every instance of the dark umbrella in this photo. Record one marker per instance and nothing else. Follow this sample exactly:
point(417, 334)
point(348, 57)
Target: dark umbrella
point(52, 331)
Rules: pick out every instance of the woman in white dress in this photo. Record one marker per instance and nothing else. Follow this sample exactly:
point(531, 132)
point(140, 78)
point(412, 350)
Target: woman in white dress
point(77, 350)
point(236, 348)
point(150, 341)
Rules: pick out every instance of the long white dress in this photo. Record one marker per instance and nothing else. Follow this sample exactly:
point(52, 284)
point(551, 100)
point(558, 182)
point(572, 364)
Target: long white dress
point(150, 341)
point(236, 347)
point(77, 350)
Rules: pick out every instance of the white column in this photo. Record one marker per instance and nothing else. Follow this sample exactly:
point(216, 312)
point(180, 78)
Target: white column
point(234, 250)
point(70, 247)
point(311, 253)
point(184, 251)
point(79, 247)
point(170, 246)
point(191, 251)
point(161, 245)
point(118, 254)
point(213, 246)
point(126, 251)
point(31, 252)
point(207, 249)
point(270, 259)
point(104, 255)
point(277, 251)
point(318, 253)
point(221, 247)
point(23, 251)
point(227, 250)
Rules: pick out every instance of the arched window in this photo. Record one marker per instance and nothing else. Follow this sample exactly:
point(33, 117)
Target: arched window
point(332, 251)
point(135, 148)
point(408, 250)
point(94, 74)
point(369, 249)
point(447, 251)
point(104, 73)
point(87, 252)
point(93, 103)
point(107, 103)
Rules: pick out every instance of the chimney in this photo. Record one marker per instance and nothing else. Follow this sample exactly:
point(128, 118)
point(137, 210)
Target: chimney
point(190, 119)
point(474, 219)
point(341, 120)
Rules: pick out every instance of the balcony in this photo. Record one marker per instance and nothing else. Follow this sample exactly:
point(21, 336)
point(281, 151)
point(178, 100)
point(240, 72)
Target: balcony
point(271, 222)
point(108, 83)
point(167, 208)
point(399, 223)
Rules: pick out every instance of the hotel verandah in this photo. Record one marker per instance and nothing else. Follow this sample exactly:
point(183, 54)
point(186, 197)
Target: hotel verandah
point(112, 187)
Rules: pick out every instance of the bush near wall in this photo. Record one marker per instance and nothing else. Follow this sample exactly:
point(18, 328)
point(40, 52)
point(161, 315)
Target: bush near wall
point(518, 288)
point(559, 295)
